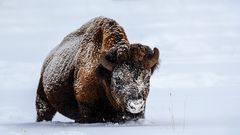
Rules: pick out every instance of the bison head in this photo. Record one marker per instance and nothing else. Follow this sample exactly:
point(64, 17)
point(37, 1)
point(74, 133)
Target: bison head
point(127, 79)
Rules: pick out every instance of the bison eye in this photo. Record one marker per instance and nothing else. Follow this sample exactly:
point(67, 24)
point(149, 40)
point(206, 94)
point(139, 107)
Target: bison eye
point(147, 76)
point(119, 83)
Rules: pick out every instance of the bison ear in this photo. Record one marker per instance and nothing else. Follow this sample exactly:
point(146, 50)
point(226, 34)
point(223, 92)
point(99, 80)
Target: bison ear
point(154, 59)
point(105, 63)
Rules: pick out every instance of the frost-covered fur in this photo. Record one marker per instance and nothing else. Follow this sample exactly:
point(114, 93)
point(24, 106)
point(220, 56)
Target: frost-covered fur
point(75, 84)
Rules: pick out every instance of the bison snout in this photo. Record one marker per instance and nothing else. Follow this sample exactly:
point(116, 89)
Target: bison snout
point(135, 106)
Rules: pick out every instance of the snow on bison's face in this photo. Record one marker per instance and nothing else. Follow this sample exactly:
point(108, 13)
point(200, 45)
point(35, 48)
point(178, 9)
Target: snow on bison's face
point(130, 76)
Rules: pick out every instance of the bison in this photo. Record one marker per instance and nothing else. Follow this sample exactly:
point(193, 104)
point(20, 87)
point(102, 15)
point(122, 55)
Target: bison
point(96, 75)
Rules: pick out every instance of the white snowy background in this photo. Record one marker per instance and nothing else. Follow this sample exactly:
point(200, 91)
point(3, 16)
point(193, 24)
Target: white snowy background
point(196, 89)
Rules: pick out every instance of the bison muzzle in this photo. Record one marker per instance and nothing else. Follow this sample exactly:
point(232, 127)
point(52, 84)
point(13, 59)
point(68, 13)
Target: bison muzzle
point(96, 75)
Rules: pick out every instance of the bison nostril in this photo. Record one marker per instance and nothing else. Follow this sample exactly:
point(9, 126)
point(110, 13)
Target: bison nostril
point(135, 106)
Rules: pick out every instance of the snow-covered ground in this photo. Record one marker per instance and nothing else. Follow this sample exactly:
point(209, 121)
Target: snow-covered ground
point(196, 90)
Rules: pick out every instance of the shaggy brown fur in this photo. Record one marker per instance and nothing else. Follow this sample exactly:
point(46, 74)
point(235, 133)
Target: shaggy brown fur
point(74, 83)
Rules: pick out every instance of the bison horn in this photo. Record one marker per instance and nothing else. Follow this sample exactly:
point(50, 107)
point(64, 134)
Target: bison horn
point(154, 59)
point(105, 63)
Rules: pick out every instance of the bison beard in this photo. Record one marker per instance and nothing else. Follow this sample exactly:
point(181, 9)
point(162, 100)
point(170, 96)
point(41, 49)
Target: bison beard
point(95, 75)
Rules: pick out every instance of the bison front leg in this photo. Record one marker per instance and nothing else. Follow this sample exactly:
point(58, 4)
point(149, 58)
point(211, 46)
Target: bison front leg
point(85, 114)
point(86, 96)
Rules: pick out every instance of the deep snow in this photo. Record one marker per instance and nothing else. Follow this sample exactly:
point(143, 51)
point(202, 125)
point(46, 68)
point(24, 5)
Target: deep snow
point(194, 91)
